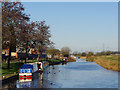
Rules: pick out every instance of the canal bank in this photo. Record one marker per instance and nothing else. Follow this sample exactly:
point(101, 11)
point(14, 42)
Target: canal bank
point(15, 65)
point(109, 62)
point(6, 78)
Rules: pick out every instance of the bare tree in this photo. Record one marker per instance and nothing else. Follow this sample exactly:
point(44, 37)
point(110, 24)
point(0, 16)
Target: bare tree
point(42, 37)
point(25, 37)
point(65, 51)
point(12, 17)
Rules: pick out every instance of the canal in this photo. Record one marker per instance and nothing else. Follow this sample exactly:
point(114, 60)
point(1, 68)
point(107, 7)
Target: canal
point(79, 74)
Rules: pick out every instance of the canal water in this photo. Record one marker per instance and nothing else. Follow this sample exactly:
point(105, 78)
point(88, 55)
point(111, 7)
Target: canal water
point(79, 74)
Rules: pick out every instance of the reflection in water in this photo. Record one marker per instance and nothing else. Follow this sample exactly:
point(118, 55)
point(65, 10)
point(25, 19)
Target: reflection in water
point(23, 84)
point(79, 74)
point(25, 80)
point(63, 63)
point(36, 81)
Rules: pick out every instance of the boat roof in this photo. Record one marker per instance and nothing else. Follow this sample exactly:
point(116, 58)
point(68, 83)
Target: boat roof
point(26, 66)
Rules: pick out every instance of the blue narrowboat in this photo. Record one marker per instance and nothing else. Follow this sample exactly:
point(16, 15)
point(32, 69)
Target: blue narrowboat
point(26, 71)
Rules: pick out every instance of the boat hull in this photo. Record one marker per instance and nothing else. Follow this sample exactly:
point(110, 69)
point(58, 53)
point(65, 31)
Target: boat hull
point(26, 72)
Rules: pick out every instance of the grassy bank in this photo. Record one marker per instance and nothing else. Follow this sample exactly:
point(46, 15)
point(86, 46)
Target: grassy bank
point(14, 67)
point(91, 59)
point(110, 62)
point(55, 60)
point(31, 61)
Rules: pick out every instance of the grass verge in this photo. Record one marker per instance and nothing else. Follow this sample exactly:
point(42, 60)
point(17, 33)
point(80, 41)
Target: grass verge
point(110, 62)
point(14, 67)
point(55, 60)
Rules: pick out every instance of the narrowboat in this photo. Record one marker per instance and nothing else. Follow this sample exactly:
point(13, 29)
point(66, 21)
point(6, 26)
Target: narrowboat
point(26, 71)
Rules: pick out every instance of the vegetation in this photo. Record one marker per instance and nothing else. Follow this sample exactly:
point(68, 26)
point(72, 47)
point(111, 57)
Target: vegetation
point(65, 51)
point(71, 59)
point(42, 37)
point(106, 53)
point(12, 17)
point(83, 54)
point(31, 61)
point(14, 67)
point(90, 59)
point(18, 31)
point(110, 62)
point(90, 54)
point(55, 60)
point(78, 54)
point(53, 52)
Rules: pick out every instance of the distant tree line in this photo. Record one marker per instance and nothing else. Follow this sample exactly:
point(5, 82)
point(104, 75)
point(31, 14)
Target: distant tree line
point(65, 51)
point(95, 54)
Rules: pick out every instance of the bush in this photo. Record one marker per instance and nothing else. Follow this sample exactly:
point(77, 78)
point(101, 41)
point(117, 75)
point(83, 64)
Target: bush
point(83, 54)
point(90, 59)
point(90, 54)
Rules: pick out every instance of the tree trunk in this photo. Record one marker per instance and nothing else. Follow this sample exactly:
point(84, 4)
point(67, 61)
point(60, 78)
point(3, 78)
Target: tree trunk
point(9, 57)
point(38, 56)
point(25, 55)
point(11, 44)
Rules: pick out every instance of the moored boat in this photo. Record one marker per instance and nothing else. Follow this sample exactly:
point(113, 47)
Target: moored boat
point(26, 71)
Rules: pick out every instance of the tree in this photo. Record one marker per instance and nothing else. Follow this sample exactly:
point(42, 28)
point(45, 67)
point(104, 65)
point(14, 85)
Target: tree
point(65, 51)
point(103, 53)
point(25, 37)
point(52, 51)
point(90, 54)
point(83, 54)
point(42, 37)
point(98, 54)
point(12, 17)
point(77, 53)
point(108, 52)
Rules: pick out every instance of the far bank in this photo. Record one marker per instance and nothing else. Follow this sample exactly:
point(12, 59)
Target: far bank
point(109, 62)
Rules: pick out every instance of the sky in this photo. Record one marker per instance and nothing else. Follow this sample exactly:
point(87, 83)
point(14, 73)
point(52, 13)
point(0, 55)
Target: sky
point(81, 26)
